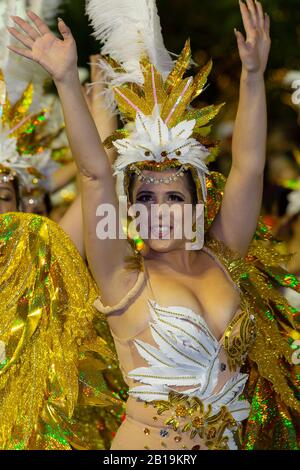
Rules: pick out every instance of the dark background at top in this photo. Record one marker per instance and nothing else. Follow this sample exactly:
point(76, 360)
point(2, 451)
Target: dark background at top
point(210, 26)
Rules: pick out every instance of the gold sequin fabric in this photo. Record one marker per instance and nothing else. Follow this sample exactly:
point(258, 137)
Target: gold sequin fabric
point(199, 421)
point(273, 387)
point(60, 385)
point(265, 346)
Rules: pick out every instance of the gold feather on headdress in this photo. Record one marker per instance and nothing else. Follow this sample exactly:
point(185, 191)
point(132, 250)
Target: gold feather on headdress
point(25, 143)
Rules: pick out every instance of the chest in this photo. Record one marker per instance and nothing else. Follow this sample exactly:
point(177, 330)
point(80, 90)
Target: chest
point(208, 292)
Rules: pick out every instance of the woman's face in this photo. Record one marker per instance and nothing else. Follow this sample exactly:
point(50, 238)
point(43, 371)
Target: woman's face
point(162, 231)
point(8, 198)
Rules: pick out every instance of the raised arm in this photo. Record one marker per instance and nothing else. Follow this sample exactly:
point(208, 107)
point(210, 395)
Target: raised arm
point(72, 224)
point(106, 123)
point(59, 57)
point(238, 217)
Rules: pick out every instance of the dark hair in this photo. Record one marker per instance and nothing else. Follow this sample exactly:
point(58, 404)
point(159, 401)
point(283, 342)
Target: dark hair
point(191, 186)
point(48, 203)
point(16, 187)
point(285, 232)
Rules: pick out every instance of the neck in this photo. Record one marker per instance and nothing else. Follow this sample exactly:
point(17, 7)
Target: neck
point(180, 260)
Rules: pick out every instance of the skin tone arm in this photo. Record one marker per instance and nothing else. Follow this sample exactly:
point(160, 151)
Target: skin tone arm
point(59, 57)
point(63, 176)
point(236, 222)
point(72, 224)
point(106, 123)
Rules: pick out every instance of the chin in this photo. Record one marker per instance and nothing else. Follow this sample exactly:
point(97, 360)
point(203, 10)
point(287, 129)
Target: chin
point(164, 246)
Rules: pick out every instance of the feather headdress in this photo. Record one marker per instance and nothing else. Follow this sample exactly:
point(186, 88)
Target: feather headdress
point(24, 139)
point(24, 146)
point(152, 95)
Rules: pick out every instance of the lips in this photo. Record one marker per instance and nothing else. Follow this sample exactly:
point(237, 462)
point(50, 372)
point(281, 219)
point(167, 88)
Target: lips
point(163, 231)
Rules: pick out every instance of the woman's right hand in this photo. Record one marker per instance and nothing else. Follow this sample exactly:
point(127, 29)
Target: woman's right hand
point(57, 56)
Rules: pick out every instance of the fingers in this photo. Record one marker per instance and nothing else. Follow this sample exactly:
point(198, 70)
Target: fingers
point(94, 57)
point(22, 52)
point(267, 24)
point(253, 15)
point(64, 29)
point(253, 12)
point(240, 38)
point(25, 40)
point(261, 16)
point(254, 19)
point(29, 30)
point(39, 23)
point(247, 20)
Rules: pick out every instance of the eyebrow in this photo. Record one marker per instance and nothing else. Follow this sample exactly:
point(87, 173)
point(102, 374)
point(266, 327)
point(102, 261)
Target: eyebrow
point(175, 192)
point(152, 192)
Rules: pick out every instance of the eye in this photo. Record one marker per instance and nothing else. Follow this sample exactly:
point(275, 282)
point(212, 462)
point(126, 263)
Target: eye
point(144, 198)
point(176, 198)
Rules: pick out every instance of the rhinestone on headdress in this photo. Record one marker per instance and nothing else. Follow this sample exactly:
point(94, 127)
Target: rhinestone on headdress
point(161, 179)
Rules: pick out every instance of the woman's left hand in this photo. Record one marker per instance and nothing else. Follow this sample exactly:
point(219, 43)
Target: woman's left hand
point(254, 50)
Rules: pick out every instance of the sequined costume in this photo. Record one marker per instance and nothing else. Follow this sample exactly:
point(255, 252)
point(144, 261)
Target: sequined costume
point(259, 343)
point(162, 131)
point(60, 387)
point(37, 317)
point(176, 354)
point(241, 391)
point(25, 142)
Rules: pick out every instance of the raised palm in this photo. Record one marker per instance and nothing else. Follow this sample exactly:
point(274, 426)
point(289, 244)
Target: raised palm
point(254, 50)
point(56, 56)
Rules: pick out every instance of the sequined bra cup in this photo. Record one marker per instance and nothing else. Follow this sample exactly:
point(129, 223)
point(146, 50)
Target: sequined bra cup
point(176, 365)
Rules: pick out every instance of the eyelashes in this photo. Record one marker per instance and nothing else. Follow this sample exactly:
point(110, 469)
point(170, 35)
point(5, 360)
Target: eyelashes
point(176, 198)
point(149, 198)
point(144, 198)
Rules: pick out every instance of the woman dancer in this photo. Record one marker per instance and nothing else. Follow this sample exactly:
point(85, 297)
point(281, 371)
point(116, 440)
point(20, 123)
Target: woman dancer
point(187, 362)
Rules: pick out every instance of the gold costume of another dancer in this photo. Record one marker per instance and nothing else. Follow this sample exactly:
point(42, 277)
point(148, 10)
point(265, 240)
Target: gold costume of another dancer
point(60, 387)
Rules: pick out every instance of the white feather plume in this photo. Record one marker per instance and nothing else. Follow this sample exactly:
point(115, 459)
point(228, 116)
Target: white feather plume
point(7, 8)
point(46, 9)
point(17, 70)
point(128, 31)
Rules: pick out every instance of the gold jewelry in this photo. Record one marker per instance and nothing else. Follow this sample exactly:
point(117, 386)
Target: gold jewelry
point(161, 179)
